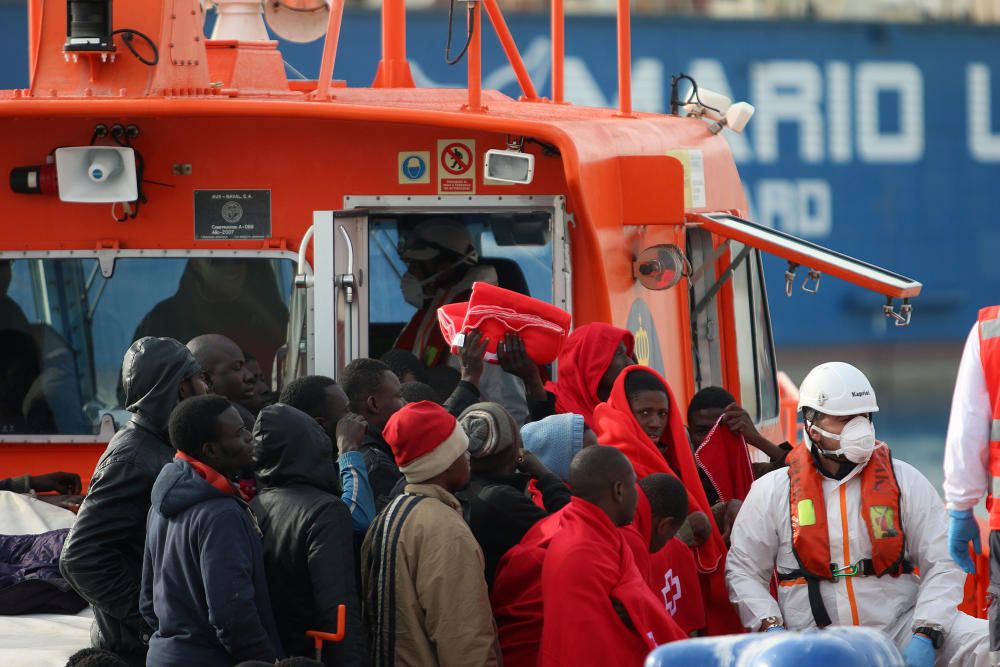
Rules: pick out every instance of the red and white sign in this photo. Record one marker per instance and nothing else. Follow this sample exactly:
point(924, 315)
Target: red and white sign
point(456, 166)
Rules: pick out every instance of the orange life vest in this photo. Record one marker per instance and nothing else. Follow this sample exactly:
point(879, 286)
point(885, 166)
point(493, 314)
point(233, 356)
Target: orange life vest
point(880, 513)
point(989, 354)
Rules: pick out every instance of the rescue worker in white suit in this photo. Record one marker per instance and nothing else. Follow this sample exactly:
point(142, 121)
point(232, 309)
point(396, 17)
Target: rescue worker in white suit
point(845, 525)
point(972, 455)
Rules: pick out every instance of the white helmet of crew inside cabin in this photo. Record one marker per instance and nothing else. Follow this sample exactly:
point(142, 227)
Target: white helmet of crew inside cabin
point(429, 237)
point(837, 388)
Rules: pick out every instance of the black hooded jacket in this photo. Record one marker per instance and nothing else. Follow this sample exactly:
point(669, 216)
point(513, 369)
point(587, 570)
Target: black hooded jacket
point(307, 536)
point(102, 556)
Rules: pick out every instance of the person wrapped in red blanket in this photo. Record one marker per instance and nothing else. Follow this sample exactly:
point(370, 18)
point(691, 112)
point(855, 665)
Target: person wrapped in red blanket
point(641, 418)
point(589, 362)
point(597, 607)
point(672, 572)
point(665, 561)
point(517, 591)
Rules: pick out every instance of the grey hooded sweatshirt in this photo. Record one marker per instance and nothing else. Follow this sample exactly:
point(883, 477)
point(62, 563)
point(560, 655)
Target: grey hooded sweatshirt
point(102, 556)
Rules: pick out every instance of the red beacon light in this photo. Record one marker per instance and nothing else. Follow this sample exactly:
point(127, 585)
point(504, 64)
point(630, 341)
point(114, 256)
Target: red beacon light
point(35, 179)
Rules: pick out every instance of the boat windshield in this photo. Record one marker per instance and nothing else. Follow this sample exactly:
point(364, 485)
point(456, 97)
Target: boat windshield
point(65, 327)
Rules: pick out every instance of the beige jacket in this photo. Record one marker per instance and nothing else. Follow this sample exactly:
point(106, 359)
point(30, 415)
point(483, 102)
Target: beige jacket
point(425, 594)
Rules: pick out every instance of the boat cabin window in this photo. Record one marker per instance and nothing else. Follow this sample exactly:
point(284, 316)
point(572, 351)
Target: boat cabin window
point(65, 327)
point(755, 349)
point(705, 343)
point(421, 260)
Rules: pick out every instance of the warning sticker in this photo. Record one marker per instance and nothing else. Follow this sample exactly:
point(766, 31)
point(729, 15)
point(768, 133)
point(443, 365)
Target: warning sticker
point(694, 176)
point(456, 166)
point(414, 167)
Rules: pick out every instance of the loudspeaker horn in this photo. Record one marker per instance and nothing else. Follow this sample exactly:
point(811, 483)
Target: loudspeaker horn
point(96, 174)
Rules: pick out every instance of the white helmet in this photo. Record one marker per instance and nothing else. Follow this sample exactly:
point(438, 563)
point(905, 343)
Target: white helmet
point(836, 388)
point(432, 236)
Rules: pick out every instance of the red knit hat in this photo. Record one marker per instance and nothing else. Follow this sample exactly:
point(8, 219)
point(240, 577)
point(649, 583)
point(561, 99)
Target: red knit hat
point(425, 440)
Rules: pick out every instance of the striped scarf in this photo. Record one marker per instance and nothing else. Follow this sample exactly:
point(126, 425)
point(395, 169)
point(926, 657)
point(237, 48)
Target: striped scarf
point(381, 596)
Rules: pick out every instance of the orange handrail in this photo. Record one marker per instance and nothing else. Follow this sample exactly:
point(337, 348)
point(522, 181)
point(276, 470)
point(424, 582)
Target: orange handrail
point(475, 57)
point(330, 49)
point(624, 59)
point(788, 402)
point(319, 636)
point(510, 48)
point(558, 50)
point(394, 70)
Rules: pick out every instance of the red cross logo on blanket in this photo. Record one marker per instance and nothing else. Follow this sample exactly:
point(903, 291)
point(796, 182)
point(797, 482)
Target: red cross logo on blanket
point(671, 591)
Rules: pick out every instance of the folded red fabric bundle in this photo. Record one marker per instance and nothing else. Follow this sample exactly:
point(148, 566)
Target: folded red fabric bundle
point(494, 311)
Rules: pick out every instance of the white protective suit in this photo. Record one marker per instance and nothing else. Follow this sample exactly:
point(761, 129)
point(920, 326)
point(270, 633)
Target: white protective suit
point(762, 539)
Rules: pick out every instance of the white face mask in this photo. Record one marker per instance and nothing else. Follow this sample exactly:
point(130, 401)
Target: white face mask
point(857, 440)
point(413, 289)
point(416, 291)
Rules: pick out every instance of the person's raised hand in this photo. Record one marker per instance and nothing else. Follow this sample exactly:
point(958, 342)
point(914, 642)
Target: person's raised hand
point(514, 359)
point(350, 432)
point(738, 420)
point(531, 465)
point(65, 483)
point(471, 356)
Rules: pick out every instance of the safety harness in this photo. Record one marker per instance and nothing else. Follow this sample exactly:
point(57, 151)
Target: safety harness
point(880, 513)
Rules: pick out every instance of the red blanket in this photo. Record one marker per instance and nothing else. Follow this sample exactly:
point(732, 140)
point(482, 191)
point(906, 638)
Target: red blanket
point(724, 458)
point(516, 597)
point(584, 359)
point(517, 588)
point(671, 572)
point(617, 427)
point(675, 578)
point(588, 568)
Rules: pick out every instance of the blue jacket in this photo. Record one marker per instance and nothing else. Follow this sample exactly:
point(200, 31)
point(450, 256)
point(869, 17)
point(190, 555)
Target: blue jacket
point(204, 590)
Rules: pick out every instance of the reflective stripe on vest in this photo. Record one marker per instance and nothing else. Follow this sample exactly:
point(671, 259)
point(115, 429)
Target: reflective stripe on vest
point(880, 510)
point(989, 354)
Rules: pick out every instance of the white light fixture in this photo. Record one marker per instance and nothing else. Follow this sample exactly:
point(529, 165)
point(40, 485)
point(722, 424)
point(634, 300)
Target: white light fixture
point(716, 107)
point(96, 174)
point(239, 20)
point(299, 21)
point(509, 166)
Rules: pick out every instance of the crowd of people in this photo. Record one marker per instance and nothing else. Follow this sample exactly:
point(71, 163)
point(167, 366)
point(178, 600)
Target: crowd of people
point(223, 524)
point(431, 508)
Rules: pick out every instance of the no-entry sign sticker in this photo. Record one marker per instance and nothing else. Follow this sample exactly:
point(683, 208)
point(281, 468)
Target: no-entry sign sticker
point(456, 168)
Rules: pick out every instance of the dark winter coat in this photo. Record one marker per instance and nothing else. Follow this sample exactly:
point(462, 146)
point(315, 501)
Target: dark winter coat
point(499, 511)
point(307, 535)
point(102, 557)
point(204, 590)
point(383, 474)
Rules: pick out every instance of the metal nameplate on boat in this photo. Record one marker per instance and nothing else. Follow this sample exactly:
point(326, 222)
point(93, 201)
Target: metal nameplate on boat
point(228, 215)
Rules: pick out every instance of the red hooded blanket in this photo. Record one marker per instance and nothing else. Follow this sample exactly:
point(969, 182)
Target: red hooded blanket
point(584, 359)
point(588, 571)
point(617, 427)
